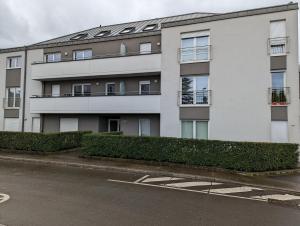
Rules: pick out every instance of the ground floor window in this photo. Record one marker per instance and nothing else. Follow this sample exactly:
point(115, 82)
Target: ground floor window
point(11, 124)
point(194, 129)
point(144, 127)
point(279, 131)
point(68, 124)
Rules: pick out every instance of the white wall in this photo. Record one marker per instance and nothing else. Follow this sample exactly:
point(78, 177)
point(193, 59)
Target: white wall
point(239, 78)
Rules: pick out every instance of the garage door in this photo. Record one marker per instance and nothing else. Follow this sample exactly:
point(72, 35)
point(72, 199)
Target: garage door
point(68, 124)
point(11, 124)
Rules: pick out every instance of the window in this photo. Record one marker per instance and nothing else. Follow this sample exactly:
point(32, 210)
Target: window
point(81, 90)
point(13, 97)
point(82, 54)
point(102, 34)
point(194, 49)
point(11, 124)
point(150, 27)
point(278, 39)
point(123, 49)
point(279, 131)
point(193, 129)
point(13, 62)
point(194, 90)
point(145, 48)
point(144, 87)
point(79, 36)
point(52, 57)
point(55, 90)
point(113, 125)
point(110, 89)
point(279, 91)
point(144, 127)
point(68, 124)
point(127, 30)
point(122, 88)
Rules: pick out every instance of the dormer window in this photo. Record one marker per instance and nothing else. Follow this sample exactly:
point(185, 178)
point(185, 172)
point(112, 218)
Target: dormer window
point(102, 34)
point(127, 30)
point(150, 27)
point(79, 37)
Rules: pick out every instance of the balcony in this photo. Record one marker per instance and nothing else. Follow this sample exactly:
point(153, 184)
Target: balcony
point(195, 54)
point(194, 98)
point(100, 103)
point(279, 96)
point(131, 63)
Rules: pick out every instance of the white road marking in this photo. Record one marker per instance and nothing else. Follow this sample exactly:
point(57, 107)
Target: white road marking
point(4, 198)
point(160, 179)
point(142, 178)
point(285, 197)
point(192, 184)
point(184, 189)
point(233, 190)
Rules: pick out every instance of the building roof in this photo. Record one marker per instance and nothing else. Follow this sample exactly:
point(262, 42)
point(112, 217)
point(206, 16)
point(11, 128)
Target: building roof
point(116, 29)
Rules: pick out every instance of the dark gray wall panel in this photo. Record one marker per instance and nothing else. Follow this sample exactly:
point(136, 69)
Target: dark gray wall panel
point(88, 123)
point(13, 77)
point(278, 62)
point(279, 114)
point(11, 113)
point(194, 113)
point(194, 68)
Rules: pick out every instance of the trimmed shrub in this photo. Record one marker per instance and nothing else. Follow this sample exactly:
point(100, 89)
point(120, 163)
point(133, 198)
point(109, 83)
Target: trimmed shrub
point(39, 142)
point(241, 156)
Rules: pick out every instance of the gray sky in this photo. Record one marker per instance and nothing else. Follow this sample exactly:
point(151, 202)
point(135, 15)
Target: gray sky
point(24, 22)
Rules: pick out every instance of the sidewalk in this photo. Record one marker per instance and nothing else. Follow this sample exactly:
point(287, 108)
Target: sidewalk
point(71, 159)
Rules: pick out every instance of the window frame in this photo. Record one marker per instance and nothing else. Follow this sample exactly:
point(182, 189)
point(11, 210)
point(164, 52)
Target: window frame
point(194, 90)
point(82, 89)
point(140, 127)
point(145, 52)
point(79, 37)
point(18, 63)
point(150, 27)
point(284, 86)
point(148, 82)
point(117, 120)
point(82, 50)
point(14, 97)
point(46, 55)
point(195, 128)
point(102, 34)
point(106, 91)
point(127, 30)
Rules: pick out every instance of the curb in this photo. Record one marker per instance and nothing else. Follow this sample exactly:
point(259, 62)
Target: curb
point(135, 170)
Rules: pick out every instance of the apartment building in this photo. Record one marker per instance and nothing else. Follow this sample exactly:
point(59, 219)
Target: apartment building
point(231, 76)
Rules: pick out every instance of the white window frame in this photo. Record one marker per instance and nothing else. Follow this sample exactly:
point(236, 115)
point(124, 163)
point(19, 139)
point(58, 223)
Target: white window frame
point(148, 51)
point(144, 83)
point(274, 40)
point(14, 102)
point(117, 120)
point(140, 129)
point(109, 83)
point(195, 35)
point(194, 97)
point(57, 85)
point(84, 54)
point(53, 60)
point(194, 127)
point(17, 63)
point(68, 119)
point(82, 88)
point(284, 85)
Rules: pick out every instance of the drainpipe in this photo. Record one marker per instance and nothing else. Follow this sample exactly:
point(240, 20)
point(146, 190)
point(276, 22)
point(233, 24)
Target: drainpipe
point(24, 89)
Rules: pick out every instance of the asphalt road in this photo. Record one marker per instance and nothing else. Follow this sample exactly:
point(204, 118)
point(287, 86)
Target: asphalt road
point(47, 195)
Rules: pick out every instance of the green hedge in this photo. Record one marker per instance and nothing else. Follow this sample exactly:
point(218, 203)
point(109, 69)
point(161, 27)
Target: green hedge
point(40, 142)
point(241, 156)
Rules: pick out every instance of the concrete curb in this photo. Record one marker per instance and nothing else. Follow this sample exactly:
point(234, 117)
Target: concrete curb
point(135, 170)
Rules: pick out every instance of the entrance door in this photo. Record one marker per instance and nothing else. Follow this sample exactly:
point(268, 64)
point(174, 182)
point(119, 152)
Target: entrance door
point(144, 127)
point(113, 125)
point(36, 125)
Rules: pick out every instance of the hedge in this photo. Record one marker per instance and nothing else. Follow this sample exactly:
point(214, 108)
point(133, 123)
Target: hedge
point(39, 142)
point(240, 156)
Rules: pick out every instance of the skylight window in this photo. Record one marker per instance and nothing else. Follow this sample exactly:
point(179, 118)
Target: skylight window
point(79, 36)
point(102, 33)
point(150, 27)
point(127, 30)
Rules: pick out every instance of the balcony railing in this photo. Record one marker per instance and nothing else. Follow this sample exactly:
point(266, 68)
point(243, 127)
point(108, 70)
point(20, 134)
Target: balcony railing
point(195, 54)
point(11, 103)
point(198, 97)
point(278, 46)
point(101, 56)
point(279, 96)
point(101, 94)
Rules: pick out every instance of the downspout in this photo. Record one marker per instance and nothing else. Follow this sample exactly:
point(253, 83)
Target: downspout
point(24, 89)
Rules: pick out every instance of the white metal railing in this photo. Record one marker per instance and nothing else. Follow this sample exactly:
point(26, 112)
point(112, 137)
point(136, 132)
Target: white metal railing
point(195, 54)
point(11, 103)
point(197, 97)
point(279, 96)
point(278, 46)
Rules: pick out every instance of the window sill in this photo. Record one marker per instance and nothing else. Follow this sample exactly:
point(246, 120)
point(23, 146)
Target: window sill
point(191, 62)
point(13, 68)
point(194, 105)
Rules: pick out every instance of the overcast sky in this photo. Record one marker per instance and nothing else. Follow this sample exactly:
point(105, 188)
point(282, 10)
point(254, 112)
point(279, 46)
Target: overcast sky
point(25, 22)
